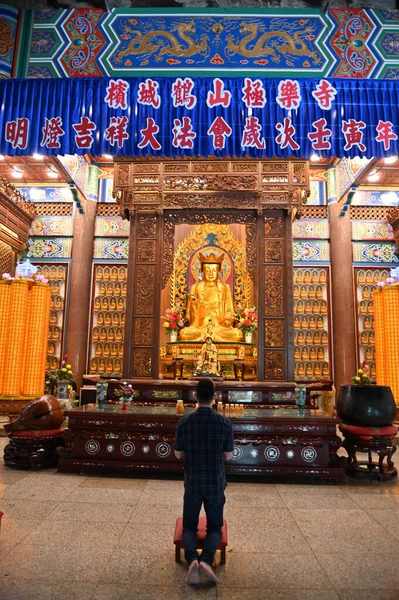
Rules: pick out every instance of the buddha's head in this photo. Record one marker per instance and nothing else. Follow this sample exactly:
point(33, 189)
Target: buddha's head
point(211, 266)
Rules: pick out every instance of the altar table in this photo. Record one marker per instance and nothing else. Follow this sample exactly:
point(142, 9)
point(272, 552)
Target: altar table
point(267, 441)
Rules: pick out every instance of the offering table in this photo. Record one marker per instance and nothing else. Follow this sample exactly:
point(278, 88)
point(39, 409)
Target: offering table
point(267, 441)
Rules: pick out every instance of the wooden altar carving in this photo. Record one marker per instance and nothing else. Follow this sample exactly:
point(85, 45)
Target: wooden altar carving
point(393, 218)
point(263, 195)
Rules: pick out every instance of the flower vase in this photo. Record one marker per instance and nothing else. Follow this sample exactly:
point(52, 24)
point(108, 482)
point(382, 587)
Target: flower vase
point(173, 336)
point(102, 388)
point(248, 337)
point(62, 395)
point(126, 401)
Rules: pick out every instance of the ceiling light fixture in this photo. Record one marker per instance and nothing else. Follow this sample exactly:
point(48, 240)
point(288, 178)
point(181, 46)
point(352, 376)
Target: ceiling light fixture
point(109, 156)
point(389, 160)
point(38, 156)
point(373, 177)
point(2, 157)
point(17, 173)
point(52, 174)
point(315, 157)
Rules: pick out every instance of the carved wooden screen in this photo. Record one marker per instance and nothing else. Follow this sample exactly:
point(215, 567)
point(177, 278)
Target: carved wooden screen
point(276, 295)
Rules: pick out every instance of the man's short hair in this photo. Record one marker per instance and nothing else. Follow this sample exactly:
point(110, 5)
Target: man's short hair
point(205, 390)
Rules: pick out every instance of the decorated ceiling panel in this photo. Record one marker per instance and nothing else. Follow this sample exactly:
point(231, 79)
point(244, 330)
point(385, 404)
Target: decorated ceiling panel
point(93, 43)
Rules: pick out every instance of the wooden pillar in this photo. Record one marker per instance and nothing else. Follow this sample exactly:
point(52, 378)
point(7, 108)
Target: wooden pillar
point(343, 313)
point(79, 299)
point(142, 330)
point(275, 276)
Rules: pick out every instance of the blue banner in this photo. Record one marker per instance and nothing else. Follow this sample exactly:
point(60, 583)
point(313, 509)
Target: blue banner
point(200, 117)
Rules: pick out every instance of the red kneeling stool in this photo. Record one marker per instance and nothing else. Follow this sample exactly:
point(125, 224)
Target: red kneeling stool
point(370, 439)
point(33, 449)
point(201, 534)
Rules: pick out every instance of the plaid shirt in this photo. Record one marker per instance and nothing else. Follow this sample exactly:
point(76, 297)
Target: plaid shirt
point(204, 436)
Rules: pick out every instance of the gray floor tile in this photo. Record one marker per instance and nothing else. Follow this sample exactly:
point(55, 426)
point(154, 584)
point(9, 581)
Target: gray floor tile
point(362, 571)
point(76, 533)
point(125, 497)
point(114, 483)
point(17, 589)
point(228, 593)
point(26, 509)
point(388, 519)
point(91, 511)
point(151, 592)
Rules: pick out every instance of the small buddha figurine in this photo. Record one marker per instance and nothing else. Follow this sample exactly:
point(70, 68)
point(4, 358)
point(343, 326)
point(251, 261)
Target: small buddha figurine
point(325, 370)
point(312, 353)
point(53, 273)
point(316, 338)
point(101, 289)
point(114, 274)
point(115, 319)
point(319, 292)
point(107, 319)
point(56, 333)
point(99, 273)
point(55, 287)
point(99, 350)
point(306, 277)
point(101, 365)
point(317, 370)
point(122, 274)
point(366, 292)
point(106, 274)
point(105, 304)
point(100, 319)
point(301, 370)
point(320, 354)
point(320, 323)
point(112, 304)
point(111, 335)
point(364, 338)
point(121, 304)
point(44, 271)
point(303, 293)
point(110, 366)
point(50, 333)
point(300, 308)
point(123, 319)
point(369, 353)
point(362, 308)
point(324, 338)
point(370, 308)
point(208, 364)
point(371, 337)
point(296, 323)
point(97, 303)
point(367, 323)
point(107, 350)
point(58, 302)
point(119, 335)
point(114, 350)
point(51, 349)
point(123, 289)
point(118, 290)
point(297, 354)
point(309, 370)
point(308, 339)
point(295, 292)
point(95, 334)
point(120, 349)
point(323, 307)
point(308, 307)
point(315, 307)
point(322, 277)
point(301, 338)
point(52, 302)
point(93, 366)
point(369, 277)
point(304, 323)
point(61, 273)
point(299, 276)
point(103, 335)
point(311, 292)
point(53, 317)
point(54, 364)
point(312, 323)
point(360, 277)
point(305, 353)
point(110, 289)
point(315, 277)
point(118, 366)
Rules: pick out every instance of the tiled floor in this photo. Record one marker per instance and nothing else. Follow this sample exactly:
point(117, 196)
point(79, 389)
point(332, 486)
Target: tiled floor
point(67, 537)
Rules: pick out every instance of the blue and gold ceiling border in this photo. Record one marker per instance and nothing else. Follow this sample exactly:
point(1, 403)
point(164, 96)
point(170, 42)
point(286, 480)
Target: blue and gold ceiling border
point(347, 43)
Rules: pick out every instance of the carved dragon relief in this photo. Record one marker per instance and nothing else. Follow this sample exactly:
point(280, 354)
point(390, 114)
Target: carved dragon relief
point(269, 43)
point(161, 43)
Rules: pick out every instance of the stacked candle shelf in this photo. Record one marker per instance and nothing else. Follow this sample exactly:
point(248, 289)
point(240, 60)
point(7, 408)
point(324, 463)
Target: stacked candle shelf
point(366, 281)
point(386, 306)
point(57, 277)
point(311, 324)
point(24, 320)
point(108, 320)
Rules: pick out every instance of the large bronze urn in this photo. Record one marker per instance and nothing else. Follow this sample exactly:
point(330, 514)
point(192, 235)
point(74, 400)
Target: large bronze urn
point(366, 405)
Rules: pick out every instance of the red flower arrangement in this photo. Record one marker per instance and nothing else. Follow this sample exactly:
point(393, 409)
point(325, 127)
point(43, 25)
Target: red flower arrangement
point(173, 321)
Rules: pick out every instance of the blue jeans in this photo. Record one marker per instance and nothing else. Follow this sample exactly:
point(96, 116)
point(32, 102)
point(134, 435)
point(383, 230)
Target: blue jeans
point(214, 522)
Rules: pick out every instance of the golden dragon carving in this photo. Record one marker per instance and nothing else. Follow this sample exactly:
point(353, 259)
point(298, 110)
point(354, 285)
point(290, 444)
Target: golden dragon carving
point(163, 43)
point(293, 44)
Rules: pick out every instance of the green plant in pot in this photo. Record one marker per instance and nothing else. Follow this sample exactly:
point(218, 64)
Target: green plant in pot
point(365, 404)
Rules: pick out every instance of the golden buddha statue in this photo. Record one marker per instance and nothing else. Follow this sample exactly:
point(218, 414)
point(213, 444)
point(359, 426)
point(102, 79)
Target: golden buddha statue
point(210, 300)
point(208, 360)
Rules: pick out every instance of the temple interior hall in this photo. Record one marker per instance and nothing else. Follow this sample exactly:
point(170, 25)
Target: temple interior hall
point(195, 190)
